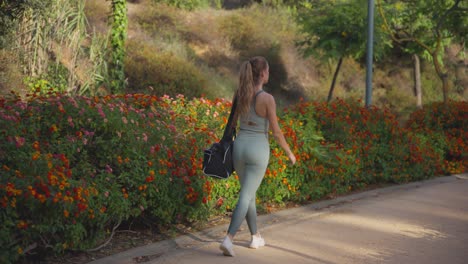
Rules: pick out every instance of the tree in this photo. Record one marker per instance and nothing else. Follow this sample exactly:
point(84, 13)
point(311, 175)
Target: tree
point(335, 30)
point(426, 27)
point(117, 41)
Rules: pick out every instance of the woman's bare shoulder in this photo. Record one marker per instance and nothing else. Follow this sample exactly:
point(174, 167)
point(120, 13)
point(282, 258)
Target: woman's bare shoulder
point(267, 99)
point(266, 96)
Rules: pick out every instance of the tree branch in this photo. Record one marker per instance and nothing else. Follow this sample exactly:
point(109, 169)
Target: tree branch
point(439, 24)
point(393, 34)
point(29, 248)
point(107, 242)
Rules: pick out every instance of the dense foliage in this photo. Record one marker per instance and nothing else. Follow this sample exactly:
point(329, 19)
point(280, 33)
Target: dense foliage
point(191, 4)
point(447, 127)
point(118, 36)
point(74, 168)
point(427, 28)
point(338, 29)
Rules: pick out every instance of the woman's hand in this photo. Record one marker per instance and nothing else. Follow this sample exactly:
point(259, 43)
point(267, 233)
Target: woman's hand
point(292, 158)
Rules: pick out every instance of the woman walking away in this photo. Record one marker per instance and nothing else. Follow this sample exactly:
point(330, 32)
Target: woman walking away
point(256, 110)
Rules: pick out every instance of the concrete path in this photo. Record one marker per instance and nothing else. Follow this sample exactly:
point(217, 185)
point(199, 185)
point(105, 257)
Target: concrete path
point(423, 222)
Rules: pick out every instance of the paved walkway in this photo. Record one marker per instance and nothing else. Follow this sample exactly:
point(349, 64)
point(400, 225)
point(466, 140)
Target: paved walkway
point(423, 222)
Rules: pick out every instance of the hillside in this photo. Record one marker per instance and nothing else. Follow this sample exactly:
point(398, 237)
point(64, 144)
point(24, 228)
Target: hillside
point(197, 53)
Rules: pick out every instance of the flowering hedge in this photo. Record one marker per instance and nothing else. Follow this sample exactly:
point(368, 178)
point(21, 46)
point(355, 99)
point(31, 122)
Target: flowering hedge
point(73, 168)
point(383, 150)
point(447, 127)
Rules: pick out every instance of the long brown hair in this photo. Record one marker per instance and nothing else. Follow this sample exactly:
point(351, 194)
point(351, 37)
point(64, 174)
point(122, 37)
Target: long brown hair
point(249, 77)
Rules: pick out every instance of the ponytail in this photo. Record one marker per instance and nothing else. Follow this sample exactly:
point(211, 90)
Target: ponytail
point(249, 77)
point(245, 91)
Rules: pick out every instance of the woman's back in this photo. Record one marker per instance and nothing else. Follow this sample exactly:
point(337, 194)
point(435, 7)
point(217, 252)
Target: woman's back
point(255, 120)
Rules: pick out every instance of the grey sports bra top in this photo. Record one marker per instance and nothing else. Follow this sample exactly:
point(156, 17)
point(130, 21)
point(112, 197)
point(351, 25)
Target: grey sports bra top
point(253, 122)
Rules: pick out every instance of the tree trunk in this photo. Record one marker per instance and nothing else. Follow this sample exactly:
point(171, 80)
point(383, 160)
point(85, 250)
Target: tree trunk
point(332, 87)
point(442, 76)
point(417, 81)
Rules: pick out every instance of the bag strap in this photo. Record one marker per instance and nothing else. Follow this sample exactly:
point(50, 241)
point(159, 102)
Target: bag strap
point(229, 130)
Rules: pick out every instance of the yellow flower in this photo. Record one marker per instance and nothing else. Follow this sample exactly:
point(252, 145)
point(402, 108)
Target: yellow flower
point(53, 128)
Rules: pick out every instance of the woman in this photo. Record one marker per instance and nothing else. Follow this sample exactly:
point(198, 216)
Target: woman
point(256, 110)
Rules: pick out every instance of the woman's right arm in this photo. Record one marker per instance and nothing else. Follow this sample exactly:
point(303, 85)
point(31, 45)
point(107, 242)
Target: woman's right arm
point(276, 130)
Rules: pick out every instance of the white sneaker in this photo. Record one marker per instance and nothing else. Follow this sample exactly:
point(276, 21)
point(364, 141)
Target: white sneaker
point(227, 247)
point(257, 241)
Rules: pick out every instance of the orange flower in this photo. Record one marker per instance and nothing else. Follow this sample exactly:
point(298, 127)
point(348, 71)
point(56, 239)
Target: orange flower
point(41, 198)
point(36, 155)
point(13, 202)
point(53, 128)
point(36, 145)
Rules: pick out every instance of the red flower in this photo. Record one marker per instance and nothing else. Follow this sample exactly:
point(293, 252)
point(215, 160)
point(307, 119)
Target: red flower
point(220, 202)
point(149, 179)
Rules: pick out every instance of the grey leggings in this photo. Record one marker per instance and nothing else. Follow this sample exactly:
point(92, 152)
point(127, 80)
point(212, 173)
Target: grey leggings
point(251, 154)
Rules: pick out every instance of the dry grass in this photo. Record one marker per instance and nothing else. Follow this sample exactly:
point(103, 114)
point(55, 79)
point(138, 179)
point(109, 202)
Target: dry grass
point(11, 77)
point(97, 13)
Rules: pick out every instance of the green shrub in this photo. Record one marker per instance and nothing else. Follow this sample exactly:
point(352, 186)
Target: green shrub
point(384, 150)
point(191, 4)
point(240, 30)
point(247, 32)
point(92, 163)
point(164, 72)
point(74, 168)
point(445, 125)
point(55, 81)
